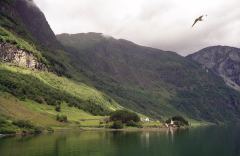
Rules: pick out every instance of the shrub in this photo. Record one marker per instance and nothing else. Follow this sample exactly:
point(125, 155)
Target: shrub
point(61, 118)
point(38, 130)
point(6, 127)
point(133, 124)
point(117, 125)
point(7, 130)
point(39, 99)
point(2, 121)
point(178, 120)
point(124, 116)
point(50, 129)
point(24, 124)
point(28, 127)
point(58, 108)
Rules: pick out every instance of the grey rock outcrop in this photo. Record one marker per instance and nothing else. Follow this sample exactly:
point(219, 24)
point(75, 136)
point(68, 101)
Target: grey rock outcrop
point(223, 60)
point(11, 54)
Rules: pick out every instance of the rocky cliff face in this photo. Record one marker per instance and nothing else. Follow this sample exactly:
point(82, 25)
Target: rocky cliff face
point(26, 21)
point(11, 54)
point(223, 60)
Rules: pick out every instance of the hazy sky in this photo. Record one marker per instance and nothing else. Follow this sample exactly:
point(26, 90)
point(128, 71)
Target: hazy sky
point(163, 24)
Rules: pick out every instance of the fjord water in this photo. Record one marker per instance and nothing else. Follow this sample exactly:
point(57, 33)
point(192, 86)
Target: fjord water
point(210, 141)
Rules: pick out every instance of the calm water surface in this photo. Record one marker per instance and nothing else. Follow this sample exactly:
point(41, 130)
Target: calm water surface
point(211, 141)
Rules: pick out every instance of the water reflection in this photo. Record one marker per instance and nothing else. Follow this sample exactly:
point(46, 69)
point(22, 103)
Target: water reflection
point(145, 138)
point(218, 141)
point(170, 133)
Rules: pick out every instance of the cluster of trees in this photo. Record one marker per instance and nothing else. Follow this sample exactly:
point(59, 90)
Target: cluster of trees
point(178, 121)
point(124, 117)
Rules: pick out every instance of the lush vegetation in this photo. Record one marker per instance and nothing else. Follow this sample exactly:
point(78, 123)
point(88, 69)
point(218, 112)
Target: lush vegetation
point(43, 115)
point(62, 118)
point(178, 121)
point(149, 81)
point(18, 126)
point(117, 125)
point(28, 127)
point(47, 88)
point(153, 82)
point(124, 117)
point(60, 94)
point(58, 108)
point(6, 127)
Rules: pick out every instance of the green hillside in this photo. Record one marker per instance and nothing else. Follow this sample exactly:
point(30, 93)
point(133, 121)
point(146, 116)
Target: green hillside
point(152, 81)
point(27, 95)
point(90, 75)
point(41, 115)
point(44, 87)
point(33, 95)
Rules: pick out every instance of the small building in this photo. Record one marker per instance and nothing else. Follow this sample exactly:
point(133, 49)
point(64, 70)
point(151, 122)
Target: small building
point(145, 119)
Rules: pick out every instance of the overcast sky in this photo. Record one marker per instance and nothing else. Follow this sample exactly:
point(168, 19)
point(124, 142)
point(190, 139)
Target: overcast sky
point(163, 24)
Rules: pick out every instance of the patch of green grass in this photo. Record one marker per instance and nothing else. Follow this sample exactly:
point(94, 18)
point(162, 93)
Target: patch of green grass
point(195, 123)
point(47, 88)
point(78, 89)
point(74, 115)
point(16, 110)
point(45, 115)
point(152, 124)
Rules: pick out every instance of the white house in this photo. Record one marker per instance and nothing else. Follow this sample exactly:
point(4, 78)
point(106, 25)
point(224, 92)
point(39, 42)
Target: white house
point(145, 119)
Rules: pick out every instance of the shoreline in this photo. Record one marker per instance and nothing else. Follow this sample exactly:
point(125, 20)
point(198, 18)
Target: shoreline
point(129, 129)
point(101, 129)
point(95, 129)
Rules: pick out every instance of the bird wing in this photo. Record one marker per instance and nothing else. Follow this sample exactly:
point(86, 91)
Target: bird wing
point(200, 18)
point(196, 20)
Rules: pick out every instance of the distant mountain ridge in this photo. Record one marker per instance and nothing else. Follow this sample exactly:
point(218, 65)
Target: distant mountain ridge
point(222, 60)
point(100, 74)
point(154, 82)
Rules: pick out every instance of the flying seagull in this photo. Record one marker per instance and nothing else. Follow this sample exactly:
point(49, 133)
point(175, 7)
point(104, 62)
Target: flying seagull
point(198, 19)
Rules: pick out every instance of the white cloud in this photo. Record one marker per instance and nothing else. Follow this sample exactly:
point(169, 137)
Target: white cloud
point(164, 24)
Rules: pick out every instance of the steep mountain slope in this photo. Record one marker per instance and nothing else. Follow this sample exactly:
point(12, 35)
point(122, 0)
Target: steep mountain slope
point(35, 22)
point(222, 60)
point(23, 20)
point(48, 88)
point(31, 60)
point(151, 81)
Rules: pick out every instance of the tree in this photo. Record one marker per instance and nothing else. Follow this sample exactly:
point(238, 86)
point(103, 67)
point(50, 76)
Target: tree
point(117, 125)
point(124, 116)
point(178, 121)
